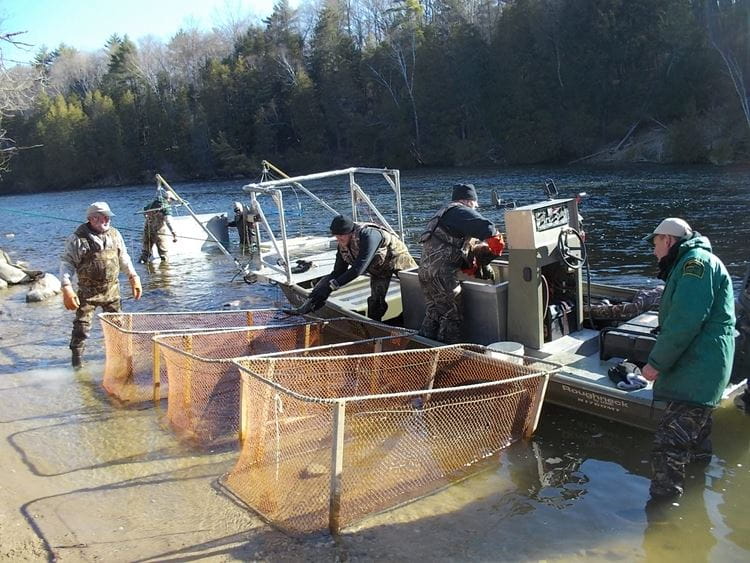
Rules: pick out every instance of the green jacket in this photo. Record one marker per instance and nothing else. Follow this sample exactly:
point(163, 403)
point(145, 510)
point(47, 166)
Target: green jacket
point(695, 347)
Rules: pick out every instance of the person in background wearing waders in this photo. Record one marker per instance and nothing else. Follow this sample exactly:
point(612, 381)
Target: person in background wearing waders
point(244, 223)
point(691, 360)
point(362, 247)
point(96, 254)
point(445, 247)
point(155, 225)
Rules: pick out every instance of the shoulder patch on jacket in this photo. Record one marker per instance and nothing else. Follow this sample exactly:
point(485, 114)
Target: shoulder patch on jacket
point(693, 268)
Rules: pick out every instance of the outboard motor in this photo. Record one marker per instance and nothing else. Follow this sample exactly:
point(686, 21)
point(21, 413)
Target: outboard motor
point(500, 203)
point(741, 369)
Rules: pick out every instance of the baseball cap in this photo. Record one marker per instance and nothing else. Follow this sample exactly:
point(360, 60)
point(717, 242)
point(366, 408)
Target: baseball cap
point(672, 226)
point(99, 207)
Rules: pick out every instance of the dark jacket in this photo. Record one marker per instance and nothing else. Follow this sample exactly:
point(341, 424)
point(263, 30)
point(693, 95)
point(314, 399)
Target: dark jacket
point(695, 347)
point(448, 232)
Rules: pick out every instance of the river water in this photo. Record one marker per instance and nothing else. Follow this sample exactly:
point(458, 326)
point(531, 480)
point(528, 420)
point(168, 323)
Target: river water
point(126, 490)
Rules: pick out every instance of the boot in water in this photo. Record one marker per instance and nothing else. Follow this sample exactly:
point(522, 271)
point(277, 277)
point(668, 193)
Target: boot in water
point(76, 358)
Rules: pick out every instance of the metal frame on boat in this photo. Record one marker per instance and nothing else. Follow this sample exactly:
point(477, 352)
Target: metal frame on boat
point(316, 254)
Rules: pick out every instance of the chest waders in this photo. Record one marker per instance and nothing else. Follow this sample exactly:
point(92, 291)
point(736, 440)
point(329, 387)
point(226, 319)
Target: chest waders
point(98, 285)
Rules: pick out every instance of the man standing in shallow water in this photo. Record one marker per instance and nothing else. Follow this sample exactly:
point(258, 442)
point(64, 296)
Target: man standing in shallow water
point(691, 360)
point(96, 254)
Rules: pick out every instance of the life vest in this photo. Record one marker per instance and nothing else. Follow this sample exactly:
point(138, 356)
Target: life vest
point(438, 237)
point(98, 267)
point(156, 213)
point(391, 255)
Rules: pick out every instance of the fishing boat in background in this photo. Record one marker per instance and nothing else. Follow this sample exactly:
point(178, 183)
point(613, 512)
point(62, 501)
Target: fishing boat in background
point(533, 306)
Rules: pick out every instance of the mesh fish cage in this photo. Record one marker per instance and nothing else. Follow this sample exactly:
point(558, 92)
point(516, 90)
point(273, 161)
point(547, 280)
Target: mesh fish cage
point(203, 399)
point(129, 374)
point(328, 440)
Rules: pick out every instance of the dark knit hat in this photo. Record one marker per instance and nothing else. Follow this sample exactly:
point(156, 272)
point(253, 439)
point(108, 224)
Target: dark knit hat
point(342, 225)
point(464, 191)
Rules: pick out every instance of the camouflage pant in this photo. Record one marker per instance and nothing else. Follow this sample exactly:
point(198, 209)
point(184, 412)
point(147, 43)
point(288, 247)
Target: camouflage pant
point(376, 304)
point(643, 300)
point(154, 235)
point(442, 293)
point(683, 436)
point(108, 298)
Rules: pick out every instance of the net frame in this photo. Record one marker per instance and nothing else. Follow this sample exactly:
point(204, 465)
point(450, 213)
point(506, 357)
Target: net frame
point(269, 382)
point(132, 371)
point(203, 397)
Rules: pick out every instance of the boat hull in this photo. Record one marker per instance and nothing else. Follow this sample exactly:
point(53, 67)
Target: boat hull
point(581, 385)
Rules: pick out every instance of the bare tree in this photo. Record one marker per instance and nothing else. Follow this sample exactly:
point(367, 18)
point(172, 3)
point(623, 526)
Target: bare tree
point(153, 59)
point(231, 21)
point(76, 71)
point(189, 49)
point(16, 90)
point(720, 19)
point(402, 30)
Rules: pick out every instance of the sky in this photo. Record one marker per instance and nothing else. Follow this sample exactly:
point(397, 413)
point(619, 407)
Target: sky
point(86, 24)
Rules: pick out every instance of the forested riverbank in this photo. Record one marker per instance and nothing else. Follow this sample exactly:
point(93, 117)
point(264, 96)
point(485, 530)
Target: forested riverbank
point(400, 83)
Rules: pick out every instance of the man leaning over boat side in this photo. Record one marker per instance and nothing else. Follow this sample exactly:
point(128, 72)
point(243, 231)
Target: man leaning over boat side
point(445, 246)
point(96, 254)
point(691, 361)
point(363, 247)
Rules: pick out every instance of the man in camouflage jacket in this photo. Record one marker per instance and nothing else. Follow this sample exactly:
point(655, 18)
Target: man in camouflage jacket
point(445, 247)
point(96, 254)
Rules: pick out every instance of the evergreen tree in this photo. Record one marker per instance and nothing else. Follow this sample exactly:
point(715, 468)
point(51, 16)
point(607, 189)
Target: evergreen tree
point(59, 131)
point(101, 147)
point(334, 64)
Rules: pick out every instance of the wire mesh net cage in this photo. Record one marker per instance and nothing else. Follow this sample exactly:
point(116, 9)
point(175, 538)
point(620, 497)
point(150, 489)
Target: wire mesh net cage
point(328, 440)
point(129, 350)
point(203, 399)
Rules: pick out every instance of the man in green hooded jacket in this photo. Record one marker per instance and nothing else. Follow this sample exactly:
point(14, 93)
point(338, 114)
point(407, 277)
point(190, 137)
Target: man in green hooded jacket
point(691, 361)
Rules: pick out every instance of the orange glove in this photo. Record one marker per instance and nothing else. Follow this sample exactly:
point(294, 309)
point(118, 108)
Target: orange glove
point(471, 270)
point(496, 244)
point(135, 285)
point(70, 298)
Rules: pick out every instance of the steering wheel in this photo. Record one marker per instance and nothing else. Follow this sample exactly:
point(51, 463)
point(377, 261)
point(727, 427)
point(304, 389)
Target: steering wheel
point(567, 253)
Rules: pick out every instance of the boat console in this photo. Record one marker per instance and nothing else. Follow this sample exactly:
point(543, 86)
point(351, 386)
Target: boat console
point(545, 257)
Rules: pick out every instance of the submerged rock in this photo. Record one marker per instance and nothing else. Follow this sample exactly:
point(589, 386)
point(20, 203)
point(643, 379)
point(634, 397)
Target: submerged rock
point(43, 288)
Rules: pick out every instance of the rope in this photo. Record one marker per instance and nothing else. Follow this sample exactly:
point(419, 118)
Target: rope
point(78, 222)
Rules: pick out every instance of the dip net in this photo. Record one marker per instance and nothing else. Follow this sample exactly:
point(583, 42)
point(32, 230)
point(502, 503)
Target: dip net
point(328, 440)
point(203, 400)
point(129, 357)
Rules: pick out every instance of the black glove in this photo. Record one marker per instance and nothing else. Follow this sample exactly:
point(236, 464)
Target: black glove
point(320, 293)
